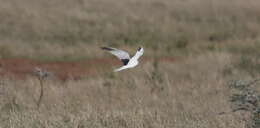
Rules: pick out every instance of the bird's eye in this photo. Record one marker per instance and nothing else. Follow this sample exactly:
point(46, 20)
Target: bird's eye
point(139, 48)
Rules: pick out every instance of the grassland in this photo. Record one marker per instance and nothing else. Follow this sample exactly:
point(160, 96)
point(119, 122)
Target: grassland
point(215, 41)
point(34, 29)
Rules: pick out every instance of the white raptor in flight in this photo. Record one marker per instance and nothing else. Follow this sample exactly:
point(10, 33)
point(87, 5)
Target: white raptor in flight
point(125, 58)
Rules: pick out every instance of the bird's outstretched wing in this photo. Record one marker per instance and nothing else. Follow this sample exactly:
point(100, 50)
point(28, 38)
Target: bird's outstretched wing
point(120, 54)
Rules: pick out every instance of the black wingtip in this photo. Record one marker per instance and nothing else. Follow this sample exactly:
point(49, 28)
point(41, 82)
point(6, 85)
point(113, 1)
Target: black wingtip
point(106, 48)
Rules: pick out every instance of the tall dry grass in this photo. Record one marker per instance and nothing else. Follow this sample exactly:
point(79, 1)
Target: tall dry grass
point(189, 94)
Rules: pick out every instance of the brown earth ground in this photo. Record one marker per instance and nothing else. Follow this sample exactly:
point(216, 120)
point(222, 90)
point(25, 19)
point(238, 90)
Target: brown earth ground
point(20, 68)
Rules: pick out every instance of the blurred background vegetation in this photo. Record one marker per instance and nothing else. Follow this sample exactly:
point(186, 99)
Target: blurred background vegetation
point(67, 29)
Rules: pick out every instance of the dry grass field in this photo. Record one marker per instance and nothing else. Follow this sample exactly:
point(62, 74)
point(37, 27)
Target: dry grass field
point(200, 59)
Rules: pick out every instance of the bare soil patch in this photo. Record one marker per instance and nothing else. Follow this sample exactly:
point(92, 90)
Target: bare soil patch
point(20, 68)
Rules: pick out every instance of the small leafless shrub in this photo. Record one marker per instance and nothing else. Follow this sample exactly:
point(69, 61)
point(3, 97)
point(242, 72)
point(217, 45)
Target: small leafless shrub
point(41, 76)
point(246, 98)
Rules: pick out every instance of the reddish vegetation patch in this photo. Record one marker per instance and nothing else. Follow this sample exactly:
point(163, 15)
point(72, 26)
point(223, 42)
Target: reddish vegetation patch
point(21, 68)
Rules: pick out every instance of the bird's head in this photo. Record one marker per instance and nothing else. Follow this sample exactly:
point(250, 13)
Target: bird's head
point(140, 49)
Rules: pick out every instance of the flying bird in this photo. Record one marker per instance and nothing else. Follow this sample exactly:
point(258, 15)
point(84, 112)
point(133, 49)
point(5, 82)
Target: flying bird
point(125, 58)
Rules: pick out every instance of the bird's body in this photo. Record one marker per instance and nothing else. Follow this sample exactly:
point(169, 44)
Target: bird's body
point(132, 63)
point(125, 58)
